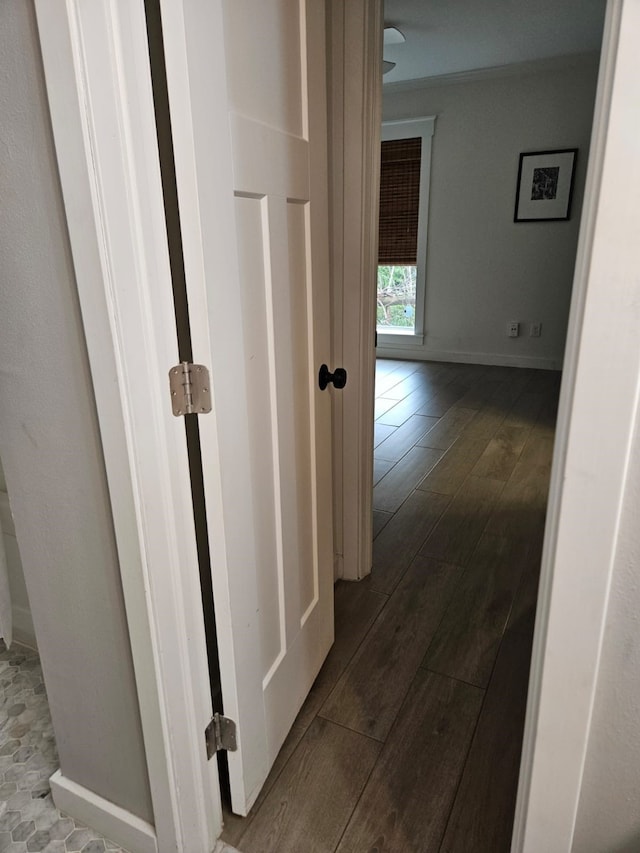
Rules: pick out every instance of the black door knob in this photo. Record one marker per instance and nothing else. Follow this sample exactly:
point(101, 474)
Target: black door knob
point(338, 377)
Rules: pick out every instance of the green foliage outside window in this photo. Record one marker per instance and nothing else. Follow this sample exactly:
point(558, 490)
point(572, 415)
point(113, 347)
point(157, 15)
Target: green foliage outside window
point(396, 296)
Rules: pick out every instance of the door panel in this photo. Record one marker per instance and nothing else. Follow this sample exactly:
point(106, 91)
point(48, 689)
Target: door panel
point(254, 301)
point(278, 149)
point(265, 66)
point(247, 95)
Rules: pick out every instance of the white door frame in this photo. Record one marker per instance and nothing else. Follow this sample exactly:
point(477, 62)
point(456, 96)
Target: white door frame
point(596, 421)
point(355, 114)
point(98, 81)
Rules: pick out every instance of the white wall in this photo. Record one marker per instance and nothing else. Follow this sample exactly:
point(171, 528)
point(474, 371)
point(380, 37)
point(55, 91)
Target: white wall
point(23, 630)
point(51, 450)
point(608, 819)
point(483, 269)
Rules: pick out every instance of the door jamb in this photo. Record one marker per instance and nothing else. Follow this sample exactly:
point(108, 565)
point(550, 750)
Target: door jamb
point(98, 81)
point(354, 40)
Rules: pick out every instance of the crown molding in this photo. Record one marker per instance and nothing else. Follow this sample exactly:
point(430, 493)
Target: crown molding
point(536, 66)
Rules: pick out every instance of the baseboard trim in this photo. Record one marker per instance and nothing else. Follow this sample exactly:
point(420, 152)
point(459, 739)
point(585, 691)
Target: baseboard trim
point(221, 847)
point(23, 630)
point(492, 359)
point(115, 823)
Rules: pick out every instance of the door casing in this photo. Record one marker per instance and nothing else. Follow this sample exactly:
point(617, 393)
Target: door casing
point(355, 114)
point(98, 81)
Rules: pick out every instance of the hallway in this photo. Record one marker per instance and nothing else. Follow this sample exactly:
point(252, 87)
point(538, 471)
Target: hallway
point(410, 738)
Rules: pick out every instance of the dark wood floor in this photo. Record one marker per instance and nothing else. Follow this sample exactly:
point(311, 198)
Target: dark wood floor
point(410, 739)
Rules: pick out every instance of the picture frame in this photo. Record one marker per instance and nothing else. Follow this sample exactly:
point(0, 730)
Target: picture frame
point(545, 185)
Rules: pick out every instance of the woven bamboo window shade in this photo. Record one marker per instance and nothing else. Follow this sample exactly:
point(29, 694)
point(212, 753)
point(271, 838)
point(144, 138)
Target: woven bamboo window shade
point(399, 201)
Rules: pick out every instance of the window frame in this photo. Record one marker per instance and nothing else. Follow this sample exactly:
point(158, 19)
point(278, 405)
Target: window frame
point(424, 128)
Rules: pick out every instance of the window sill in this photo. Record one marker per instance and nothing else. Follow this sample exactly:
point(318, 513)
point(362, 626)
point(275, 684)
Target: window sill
point(398, 338)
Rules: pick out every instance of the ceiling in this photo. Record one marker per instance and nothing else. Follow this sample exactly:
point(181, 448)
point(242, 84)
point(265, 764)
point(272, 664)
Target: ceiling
point(451, 36)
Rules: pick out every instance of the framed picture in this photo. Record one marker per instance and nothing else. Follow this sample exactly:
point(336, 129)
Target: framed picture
point(545, 185)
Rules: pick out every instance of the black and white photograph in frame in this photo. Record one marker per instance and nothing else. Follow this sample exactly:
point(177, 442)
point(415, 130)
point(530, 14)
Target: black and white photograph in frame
point(545, 185)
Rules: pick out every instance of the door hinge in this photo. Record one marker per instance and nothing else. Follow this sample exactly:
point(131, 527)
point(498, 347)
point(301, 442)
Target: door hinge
point(190, 389)
point(220, 734)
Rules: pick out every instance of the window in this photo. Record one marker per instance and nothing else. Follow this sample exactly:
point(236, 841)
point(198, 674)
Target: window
point(404, 189)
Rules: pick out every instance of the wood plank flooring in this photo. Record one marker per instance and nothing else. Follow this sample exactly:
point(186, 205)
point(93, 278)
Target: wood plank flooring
point(410, 739)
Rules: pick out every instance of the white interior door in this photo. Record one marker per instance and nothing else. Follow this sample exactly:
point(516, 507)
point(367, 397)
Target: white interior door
point(248, 106)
